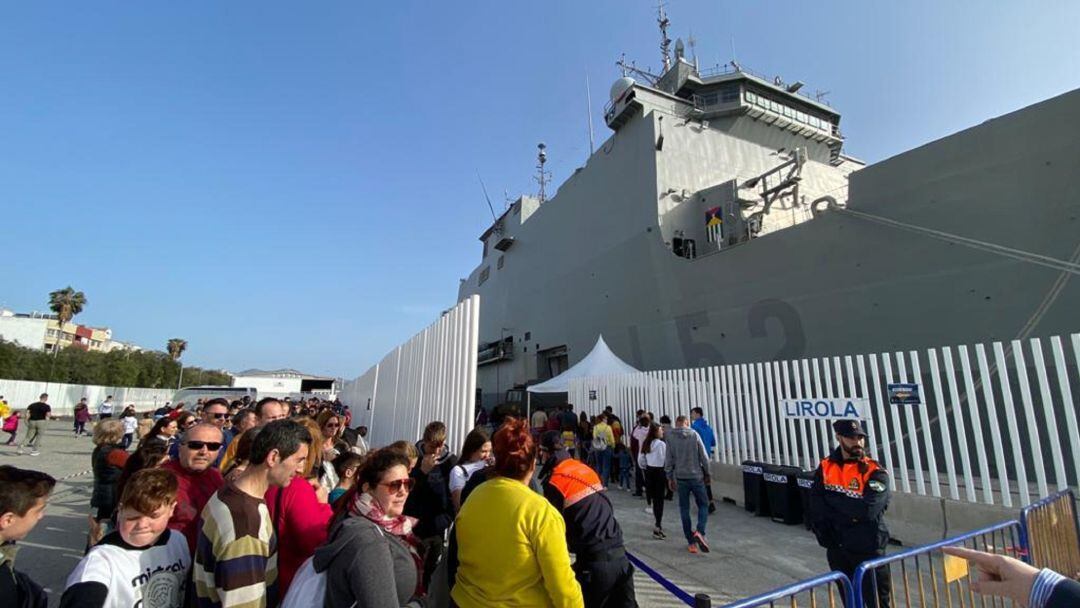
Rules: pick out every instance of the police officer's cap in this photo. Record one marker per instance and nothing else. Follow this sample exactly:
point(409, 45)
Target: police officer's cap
point(848, 428)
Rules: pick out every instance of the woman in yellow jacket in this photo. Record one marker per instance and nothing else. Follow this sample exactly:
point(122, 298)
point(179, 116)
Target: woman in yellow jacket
point(511, 543)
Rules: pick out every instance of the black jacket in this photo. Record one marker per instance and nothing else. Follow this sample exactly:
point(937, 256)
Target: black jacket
point(591, 527)
point(17, 590)
point(847, 512)
point(1065, 595)
point(104, 496)
point(429, 502)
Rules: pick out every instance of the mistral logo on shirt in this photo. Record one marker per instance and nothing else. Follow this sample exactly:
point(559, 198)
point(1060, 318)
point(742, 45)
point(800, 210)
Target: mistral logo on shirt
point(142, 579)
point(161, 587)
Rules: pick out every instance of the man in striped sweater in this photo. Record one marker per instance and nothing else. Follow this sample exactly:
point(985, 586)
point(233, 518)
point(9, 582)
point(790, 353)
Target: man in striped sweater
point(236, 553)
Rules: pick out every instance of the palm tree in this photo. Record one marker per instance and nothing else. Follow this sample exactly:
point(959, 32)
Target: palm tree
point(66, 303)
point(176, 347)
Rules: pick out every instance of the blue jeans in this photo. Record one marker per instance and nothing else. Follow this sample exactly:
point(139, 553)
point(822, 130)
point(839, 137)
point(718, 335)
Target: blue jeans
point(603, 460)
point(685, 488)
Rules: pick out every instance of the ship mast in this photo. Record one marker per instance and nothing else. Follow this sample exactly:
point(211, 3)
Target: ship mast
point(542, 176)
point(665, 42)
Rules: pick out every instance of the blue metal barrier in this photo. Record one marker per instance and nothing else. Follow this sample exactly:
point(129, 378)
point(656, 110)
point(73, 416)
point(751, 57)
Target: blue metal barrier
point(699, 600)
point(932, 583)
point(825, 582)
point(1051, 534)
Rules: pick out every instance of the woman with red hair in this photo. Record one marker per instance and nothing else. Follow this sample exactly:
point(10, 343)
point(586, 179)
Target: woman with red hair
point(507, 524)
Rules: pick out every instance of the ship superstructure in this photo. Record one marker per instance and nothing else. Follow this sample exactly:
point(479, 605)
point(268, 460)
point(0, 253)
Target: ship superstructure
point(716, 224)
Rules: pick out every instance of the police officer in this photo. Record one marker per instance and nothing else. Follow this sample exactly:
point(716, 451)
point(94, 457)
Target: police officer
point(592, 534)
point(847, 510)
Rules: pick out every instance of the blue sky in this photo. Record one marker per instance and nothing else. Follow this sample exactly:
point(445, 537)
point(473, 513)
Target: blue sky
point(294, 184)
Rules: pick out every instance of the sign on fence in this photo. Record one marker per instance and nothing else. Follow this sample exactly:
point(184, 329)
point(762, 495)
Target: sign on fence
point(904, 394)
point(825, 409)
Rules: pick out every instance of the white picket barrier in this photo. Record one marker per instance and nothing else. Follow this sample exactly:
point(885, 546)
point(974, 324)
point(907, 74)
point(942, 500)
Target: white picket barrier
point(983, 428)
point(63, 397)
point(432, 376)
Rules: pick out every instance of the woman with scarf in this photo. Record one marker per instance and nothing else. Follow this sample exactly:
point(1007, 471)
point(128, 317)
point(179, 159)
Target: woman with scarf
point(371, 556)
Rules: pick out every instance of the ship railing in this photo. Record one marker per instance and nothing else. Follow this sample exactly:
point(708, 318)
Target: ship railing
point(727, 68)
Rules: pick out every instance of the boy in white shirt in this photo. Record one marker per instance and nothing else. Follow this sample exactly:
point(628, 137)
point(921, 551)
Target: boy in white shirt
point(141, 563)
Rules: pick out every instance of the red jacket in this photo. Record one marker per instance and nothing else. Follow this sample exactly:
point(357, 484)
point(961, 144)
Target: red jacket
point(301, 526)
point(195, 491)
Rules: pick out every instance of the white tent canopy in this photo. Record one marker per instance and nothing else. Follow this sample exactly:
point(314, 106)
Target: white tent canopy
point(600, 361)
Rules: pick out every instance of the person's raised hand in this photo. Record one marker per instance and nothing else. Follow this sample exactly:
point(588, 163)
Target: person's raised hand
point(428, 463)
point(999, 575)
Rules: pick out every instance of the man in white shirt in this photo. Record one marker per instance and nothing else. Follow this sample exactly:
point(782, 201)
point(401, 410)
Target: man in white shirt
point(539, 420)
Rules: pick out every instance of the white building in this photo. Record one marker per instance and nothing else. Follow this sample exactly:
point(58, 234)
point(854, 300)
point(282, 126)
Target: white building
point(25, 330)
point(285, 383)
point(41, 331)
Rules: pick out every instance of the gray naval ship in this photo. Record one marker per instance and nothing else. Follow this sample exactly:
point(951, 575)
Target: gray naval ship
point(722, 222)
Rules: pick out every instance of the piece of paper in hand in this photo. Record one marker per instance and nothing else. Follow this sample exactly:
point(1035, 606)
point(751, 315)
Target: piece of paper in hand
point(956, 568)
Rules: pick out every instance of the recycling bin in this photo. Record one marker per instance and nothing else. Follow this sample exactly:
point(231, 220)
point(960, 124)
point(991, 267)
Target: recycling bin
point(755, 495)
point(782, 489)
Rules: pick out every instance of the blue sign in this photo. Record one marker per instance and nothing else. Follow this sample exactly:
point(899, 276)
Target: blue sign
point(826, 409)
point(904, 394)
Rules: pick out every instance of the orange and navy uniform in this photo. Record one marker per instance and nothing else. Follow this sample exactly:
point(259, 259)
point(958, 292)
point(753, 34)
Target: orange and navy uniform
point(847, 505)
point(574, 488)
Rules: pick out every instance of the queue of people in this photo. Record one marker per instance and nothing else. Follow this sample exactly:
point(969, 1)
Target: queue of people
point(234, 508)
point(654, 461)
point(239, 503)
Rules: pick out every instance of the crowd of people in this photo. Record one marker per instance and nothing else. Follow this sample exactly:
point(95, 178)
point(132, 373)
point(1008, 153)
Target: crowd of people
point(237, 503)
point(654, 460)
point(274, 503)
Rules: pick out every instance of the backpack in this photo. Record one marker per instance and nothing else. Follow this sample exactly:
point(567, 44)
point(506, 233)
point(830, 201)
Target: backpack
point(308, 588)
point(599, 444)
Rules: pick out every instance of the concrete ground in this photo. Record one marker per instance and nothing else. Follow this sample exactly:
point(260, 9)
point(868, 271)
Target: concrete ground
point(749, 554)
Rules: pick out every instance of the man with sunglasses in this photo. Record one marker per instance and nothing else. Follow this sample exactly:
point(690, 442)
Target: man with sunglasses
point(199, 447)
point(216, 412)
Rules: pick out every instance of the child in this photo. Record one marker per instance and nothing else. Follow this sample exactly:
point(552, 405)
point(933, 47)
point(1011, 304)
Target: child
point(11, 427)
point(345, 466)
point(23, 496)
point(142, 559)
point(569, 439)
point(131, 424)
point(626, 465)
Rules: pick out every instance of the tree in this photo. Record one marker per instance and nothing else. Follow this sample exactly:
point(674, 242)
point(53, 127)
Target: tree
point(150, 369)
point(175, 348)
point(66, 303)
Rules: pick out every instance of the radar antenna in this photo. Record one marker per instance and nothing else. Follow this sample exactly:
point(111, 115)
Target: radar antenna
point(588, 111)
point(665, 42)
point(692, 43)
point(542, 176)
point(631, 68)
point(488, 198)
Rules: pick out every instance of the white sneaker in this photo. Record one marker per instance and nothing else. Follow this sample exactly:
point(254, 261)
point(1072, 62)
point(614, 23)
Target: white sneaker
point(20, 451)
point(648, 510)
point(35, 453)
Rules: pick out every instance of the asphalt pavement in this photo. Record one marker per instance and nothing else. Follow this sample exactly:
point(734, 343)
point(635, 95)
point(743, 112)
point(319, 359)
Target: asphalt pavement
point(749, 554)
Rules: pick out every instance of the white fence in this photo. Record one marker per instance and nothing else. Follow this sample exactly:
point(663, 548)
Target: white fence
point(63, 397)
point(996, 423)
point(430, 377)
